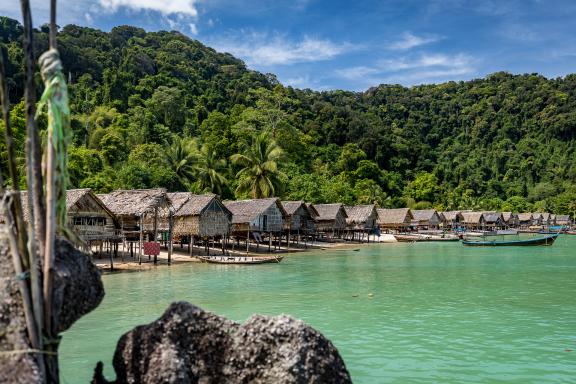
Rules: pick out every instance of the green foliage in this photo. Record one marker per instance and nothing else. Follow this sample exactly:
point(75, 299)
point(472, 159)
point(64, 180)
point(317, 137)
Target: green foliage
point(505, 142)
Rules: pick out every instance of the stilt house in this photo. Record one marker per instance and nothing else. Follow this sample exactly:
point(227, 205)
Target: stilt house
point(361, 217)
point(493, 220)
point(525, 220)
point(138, 211)
point(331, 218)
point(394, 219)
point(452, 219)
point(426, 219)
point(258, 215)
point(199, 215)
point(510, 219)
point(299, 218)
point(473, 220)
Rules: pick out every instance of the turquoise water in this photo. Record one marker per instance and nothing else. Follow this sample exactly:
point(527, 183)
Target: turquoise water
point(440, 312)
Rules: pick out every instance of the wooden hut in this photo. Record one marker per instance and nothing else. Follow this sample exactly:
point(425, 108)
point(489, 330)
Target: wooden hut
point(258, 215)
point(473, 220)
point(525, 220)
point(563, 220)
point(452, 219)
point(330, 219)
point(139, 212)
point(362, 219)
point(394, 219)
point(426, 219)
point(536, 219)
point(88, 216)
point(298, 217)
point(510, 219)
point(546, 218)
point(199, 217)
point(493, 220)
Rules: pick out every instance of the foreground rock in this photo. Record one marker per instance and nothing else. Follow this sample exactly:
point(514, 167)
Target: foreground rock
point(189, 345)
point(77, 290)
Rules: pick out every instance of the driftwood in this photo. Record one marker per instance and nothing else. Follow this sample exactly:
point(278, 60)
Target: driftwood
point(189, 345)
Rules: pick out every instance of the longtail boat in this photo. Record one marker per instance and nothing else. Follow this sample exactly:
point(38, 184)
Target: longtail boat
point(240, 259)
point(543, 240)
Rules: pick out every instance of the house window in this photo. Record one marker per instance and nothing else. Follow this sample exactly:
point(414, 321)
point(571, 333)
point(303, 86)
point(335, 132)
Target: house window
point(264, 222)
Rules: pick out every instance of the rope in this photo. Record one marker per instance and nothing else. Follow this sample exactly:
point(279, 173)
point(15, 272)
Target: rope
point(25, 351)
point(55, 97)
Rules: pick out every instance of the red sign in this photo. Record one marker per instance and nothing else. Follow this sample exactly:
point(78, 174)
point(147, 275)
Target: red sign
point(152, 248)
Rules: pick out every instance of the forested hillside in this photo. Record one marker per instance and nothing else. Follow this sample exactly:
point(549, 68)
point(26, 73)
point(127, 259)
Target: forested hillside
point(160, 109)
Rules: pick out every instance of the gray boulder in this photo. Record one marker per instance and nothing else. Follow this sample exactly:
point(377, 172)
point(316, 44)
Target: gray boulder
point(189, 345)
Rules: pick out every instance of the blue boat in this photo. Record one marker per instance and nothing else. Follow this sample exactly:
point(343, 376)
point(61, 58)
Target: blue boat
point(543, 240)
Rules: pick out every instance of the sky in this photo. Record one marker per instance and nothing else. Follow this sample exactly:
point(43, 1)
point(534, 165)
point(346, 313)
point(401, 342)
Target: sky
point(353, 45)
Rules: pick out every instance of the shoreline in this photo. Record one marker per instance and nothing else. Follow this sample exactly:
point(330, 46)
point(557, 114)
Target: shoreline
point(180, 256)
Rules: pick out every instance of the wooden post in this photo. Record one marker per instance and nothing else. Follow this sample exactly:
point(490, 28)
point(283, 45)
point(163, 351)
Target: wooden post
point(191, 245)
point(247, 238)
point(269, 241)
point(170, 234)
point(141, 240)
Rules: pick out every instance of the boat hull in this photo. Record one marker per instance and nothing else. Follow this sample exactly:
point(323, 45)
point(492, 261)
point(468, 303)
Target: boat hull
point(240, 259)
point(546, 240)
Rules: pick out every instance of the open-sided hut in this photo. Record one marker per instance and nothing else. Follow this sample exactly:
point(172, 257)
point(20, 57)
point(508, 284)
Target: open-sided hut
point(257, 215)
point(138, 213)
point(330, 218)
point(199, 215)
point(394, 219)
point(473, 220)
point(298, 217)
point(426, 219)
point(452, 219)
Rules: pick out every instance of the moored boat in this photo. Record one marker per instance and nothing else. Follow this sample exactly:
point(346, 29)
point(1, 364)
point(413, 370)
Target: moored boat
point(543, 240)
point(408, 238)
point(240, 259)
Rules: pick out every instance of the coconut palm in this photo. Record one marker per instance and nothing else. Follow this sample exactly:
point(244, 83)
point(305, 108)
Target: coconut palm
point(181, 157)
point(208, 170)
point(259, 175)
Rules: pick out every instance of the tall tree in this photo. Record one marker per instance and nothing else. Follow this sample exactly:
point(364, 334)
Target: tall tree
point(181, 157)
point(209, 171)
point(259, 175)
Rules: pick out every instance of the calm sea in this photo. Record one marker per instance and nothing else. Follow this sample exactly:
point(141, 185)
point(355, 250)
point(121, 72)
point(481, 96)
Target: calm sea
point(398, 313)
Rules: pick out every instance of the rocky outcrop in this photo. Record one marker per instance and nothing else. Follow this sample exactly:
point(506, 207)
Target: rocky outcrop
point(189, 345)
point(78, 289)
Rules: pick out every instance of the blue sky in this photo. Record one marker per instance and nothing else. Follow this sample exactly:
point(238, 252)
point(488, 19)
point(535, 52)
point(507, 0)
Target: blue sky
point(353, 45)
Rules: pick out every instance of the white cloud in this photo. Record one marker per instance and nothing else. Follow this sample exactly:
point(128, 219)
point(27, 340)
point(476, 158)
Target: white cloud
point(410, 41)
point(193, 29)
point(166, 7)
point(410, 70)
point(262, 49)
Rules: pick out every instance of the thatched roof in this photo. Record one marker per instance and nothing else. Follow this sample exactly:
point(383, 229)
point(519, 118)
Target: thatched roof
point(472, 217)
point(424, 214)
point(245, 211)
point(493, 217)
point(394, 216)
point(359, 213)
point(565, 219)
point(135, 202)
point(73, 196)
point(292, 206)
point(546, 216)
point(327, 212)
point(451, 215)
point(536, 215)
point(506, 216)
point(525, 216)
point(189, 204)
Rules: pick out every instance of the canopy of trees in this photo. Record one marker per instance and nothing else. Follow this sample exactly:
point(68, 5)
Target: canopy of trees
point(160, 109)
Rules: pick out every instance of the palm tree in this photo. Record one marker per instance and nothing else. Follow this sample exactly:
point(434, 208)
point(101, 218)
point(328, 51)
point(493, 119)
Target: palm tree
point(208, 170)
point(259, 175)
point(181, 157)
